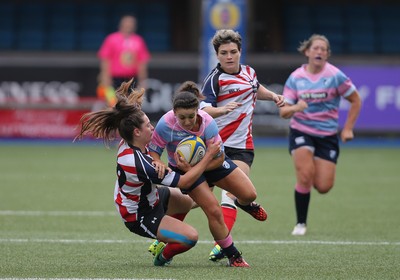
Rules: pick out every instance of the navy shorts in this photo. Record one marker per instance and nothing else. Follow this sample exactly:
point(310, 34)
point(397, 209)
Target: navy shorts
point(211, 176)
point(326, 147)
point(247, 156)
point(147, 223)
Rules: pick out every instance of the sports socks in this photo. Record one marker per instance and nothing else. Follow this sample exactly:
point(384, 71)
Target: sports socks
point(172, 249)
point(302, 201)
point(227, 245)
point(229, 216)
point(229, 209)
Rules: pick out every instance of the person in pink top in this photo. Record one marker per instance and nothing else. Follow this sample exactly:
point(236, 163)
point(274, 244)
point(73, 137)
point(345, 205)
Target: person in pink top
point(123, 55)
point(313, 93)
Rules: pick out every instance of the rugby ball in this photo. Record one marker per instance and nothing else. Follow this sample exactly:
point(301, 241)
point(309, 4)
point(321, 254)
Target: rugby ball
point(192, 149)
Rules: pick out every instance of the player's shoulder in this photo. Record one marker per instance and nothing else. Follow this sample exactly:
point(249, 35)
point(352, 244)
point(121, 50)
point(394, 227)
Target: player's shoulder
point(246, 67)
point(204, 115)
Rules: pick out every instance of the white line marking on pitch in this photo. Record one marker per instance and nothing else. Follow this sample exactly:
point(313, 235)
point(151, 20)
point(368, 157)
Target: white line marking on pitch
point(86, 279)
point(113, 241)
point(57, 213)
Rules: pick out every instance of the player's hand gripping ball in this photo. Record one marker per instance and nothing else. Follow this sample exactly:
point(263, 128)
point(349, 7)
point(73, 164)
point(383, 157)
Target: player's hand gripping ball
point(192, 149)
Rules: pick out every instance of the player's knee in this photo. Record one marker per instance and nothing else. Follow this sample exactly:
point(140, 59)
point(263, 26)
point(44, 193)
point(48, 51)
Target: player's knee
point(252, 196)
point(192, 238)
point(247, 196)
point(323, 189)
point(214, 212)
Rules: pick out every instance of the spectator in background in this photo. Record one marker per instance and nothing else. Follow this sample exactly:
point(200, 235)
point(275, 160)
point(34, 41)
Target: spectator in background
point(313, 92)
point(123, 55)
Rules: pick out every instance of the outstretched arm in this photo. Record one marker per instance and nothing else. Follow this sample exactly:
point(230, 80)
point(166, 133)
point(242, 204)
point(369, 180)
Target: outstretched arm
point(287, 110)
point(265, 94)
point(354, 111)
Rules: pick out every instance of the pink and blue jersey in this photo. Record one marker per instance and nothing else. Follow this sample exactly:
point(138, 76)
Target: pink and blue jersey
point(168, 133)
point(322, 92)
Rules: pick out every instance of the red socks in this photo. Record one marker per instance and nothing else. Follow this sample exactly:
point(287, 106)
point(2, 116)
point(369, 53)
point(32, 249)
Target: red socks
point(229, 216)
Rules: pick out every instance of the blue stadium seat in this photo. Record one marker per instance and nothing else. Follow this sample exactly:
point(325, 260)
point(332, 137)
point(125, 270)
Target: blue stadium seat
point(329, 20)
point(388, 23)
point(31, 32)
point(156, 29)
point(62, 34)
point(7, 25)
point(361, 29)
point(62, 40)
point(7, 39)
point(93, 25)
point(31, 39)
point(90, 40)
point(298, 25)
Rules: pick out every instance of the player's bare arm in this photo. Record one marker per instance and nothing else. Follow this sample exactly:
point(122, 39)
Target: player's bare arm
point(288, 110)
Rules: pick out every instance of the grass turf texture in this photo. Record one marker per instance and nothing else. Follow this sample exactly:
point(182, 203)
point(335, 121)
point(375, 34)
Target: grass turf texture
point(58, 220)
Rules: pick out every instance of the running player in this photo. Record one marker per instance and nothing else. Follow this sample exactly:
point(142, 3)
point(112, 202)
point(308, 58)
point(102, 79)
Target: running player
point(313, 92)
point(231, 91)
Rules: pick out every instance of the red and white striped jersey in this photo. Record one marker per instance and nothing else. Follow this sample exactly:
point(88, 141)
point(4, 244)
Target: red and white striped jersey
point(136, 184)
point(221, 88)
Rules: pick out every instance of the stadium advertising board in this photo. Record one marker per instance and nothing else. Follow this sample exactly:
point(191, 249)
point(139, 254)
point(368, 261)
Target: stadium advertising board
point(379, 88)
point(47, 102)
point(220, 14)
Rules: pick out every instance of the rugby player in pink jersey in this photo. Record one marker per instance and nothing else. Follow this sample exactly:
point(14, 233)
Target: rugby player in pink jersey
point(185, 119)
point(313, 93)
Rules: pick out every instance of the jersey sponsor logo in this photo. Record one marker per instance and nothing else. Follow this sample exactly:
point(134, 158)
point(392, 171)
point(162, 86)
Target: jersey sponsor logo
point(234, 90)
point(314, 95)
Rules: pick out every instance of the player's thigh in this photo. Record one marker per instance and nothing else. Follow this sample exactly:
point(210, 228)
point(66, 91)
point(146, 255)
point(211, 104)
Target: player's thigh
point(303, 159)
point(238, 184)
point(203, 196)
point(178, 202)
point(324, 177)
point(243, 166)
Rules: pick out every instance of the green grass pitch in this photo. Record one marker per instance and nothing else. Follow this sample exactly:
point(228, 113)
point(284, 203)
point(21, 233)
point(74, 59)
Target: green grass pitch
point(58, 220)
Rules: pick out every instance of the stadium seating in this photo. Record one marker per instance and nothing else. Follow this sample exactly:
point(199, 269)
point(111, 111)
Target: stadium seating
point(7, 25)
point(388, 21)
point(352, 28)
point(63, 27)
point(298, 26)
point(31, 27)
point(330, 22)
point(361, 29)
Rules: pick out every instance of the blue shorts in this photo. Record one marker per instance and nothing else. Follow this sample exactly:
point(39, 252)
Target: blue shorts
point(326, 147)
point(247, 156)
point(147, 223)
point(211, 176)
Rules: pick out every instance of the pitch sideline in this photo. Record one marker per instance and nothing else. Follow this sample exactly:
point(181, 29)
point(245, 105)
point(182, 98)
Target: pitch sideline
point(115, 241)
